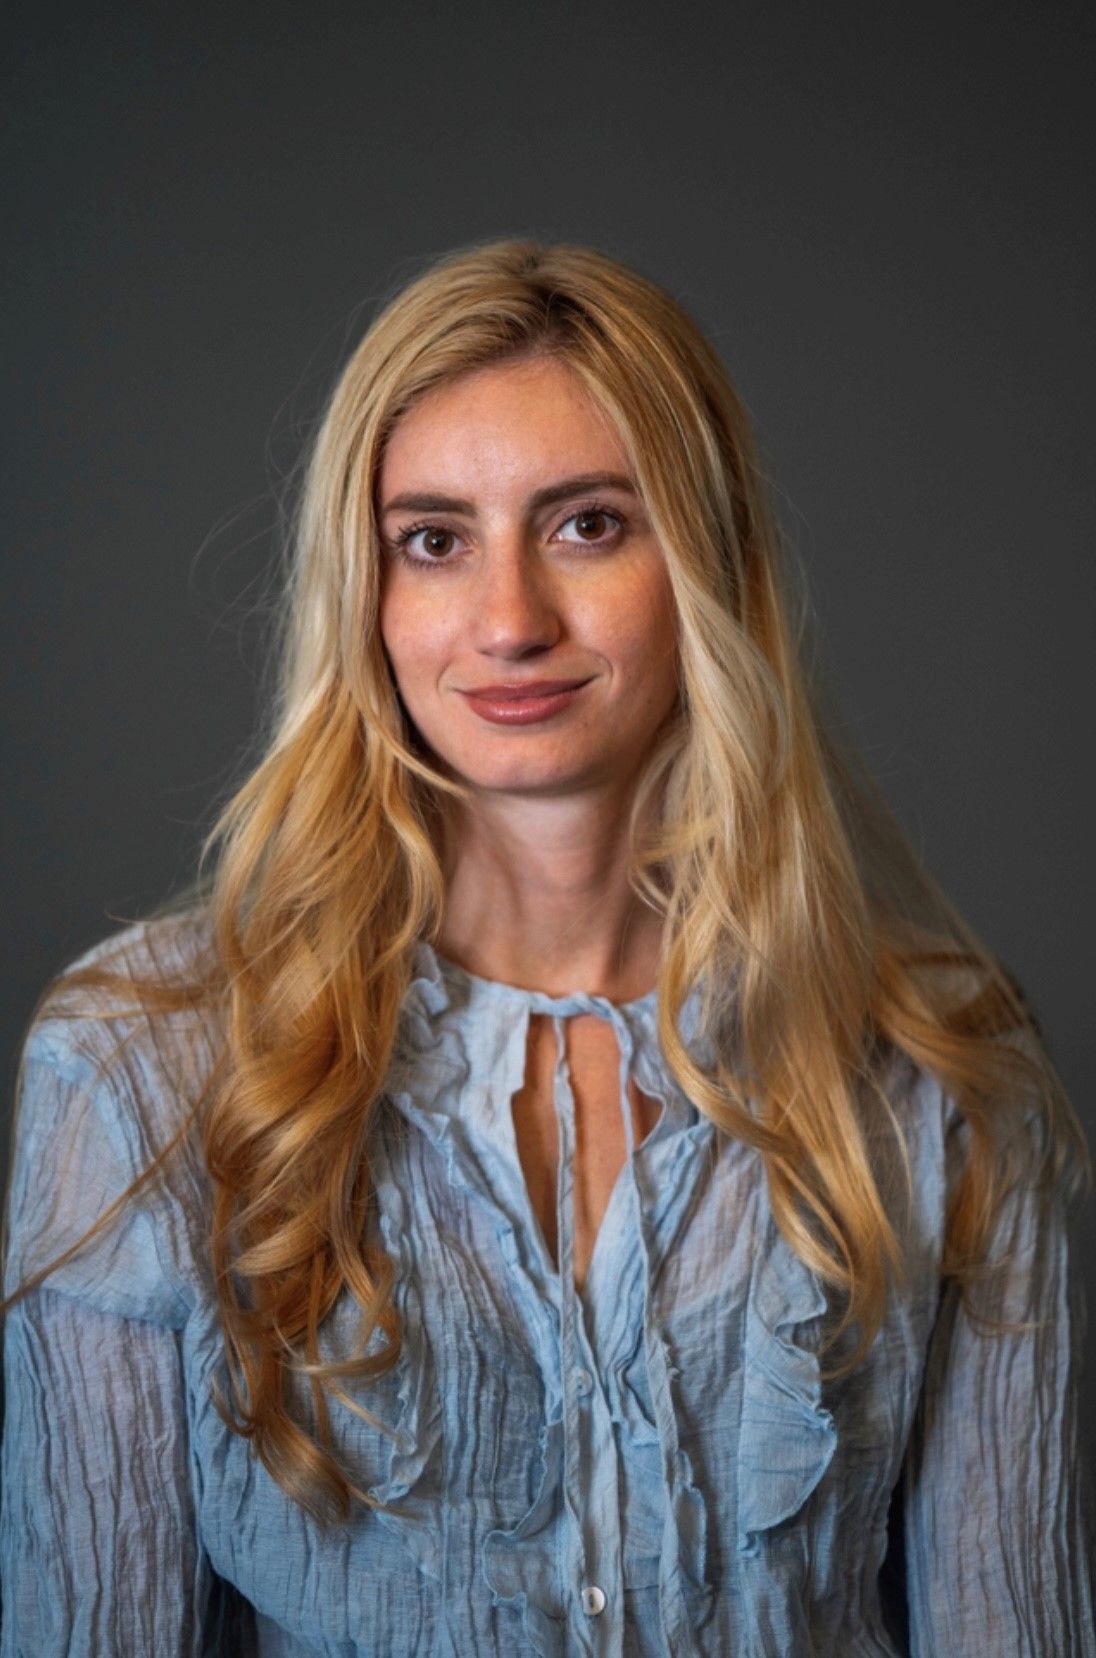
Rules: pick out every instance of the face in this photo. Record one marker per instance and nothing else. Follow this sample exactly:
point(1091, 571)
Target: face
point(516, 550)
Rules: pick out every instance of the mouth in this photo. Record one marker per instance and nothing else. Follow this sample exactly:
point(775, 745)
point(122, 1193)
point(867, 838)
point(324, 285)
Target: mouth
point(515, 704)
point(519, 691)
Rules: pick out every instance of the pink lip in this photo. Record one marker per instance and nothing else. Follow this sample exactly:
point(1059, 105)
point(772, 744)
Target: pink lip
point(513, 688)
point(524, 704)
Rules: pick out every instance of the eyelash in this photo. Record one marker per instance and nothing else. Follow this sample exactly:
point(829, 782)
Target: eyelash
point(398, 545)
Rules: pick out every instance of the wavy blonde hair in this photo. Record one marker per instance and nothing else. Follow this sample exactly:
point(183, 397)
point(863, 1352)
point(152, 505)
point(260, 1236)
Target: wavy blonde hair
point(787, 888)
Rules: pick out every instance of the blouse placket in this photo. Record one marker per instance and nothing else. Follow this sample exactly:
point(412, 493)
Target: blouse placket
point(591, 1472)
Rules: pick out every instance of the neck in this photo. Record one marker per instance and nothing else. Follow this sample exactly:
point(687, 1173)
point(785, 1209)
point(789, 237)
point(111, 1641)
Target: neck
point(537, 895)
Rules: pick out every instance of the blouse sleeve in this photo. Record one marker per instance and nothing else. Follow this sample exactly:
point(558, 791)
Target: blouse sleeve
point(99, 1546)
point(997, 1505)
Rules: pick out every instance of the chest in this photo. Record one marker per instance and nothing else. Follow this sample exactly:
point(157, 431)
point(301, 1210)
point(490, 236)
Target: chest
point(485, 1480)
point(593, 1062)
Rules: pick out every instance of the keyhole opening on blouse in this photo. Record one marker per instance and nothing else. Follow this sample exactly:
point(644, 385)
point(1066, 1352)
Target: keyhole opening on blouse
point(593, 1059)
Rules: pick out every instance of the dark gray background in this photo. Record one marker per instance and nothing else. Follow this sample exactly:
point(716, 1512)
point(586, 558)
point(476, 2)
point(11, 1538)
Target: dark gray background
point(883, 221)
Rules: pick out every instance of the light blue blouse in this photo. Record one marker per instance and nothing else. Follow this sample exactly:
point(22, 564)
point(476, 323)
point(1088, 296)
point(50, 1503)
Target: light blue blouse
point(651, 1467)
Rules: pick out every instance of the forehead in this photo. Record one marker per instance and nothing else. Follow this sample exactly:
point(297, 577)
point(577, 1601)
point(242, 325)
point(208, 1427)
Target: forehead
point(504, 422)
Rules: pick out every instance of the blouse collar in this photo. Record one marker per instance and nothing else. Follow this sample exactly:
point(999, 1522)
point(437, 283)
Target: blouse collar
point(447, 1005)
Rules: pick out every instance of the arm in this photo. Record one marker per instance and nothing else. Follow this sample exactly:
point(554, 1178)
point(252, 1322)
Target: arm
point(998, 1527)
point(99, 1543)
point(98, 1540)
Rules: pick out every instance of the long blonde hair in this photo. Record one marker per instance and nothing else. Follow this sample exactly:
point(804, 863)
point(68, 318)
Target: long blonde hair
point(787, 888)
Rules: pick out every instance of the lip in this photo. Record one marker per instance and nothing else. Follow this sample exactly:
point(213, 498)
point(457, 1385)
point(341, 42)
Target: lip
point(515, 690)
point(524, 704)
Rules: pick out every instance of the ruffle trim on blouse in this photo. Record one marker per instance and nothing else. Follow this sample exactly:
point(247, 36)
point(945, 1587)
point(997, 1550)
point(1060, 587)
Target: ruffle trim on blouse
point(673, 1167)
point(519, 1561)
point(787, 1437)
point(685, 1595)
point(690, 1518)
point(633, 1407)
point(437, 1063)
point(410, 1515)
point(431, 1050)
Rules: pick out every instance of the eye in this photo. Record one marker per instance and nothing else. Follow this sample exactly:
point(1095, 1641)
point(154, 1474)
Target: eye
point(435, 547)
point(591, 521)
point(596, 525)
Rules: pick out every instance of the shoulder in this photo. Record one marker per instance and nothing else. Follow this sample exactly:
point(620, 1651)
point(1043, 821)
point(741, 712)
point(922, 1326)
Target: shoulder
point(161, 950)
point(1016, 1115)
point(104, 1086)
point(917, 1143)
point(145, 1059)
point(1027, 1194)
point(905, 1104)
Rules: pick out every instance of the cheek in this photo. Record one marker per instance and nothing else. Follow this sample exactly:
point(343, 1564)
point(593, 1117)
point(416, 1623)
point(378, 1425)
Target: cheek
point(413, 630)
point(637, 625)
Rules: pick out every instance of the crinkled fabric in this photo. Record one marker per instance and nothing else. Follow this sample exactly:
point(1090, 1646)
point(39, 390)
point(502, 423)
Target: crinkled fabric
point(655, 1466)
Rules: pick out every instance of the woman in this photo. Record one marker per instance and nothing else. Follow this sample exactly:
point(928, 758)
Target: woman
point(566, 1181)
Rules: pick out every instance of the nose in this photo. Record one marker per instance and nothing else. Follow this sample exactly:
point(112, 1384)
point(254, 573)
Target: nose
point(514, 602)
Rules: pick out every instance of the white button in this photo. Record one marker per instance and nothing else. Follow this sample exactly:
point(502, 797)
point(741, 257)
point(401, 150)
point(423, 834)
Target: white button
point(593, 1600)
point(583, 1381)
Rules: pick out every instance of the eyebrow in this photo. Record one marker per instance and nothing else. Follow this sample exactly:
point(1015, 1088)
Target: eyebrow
point(580, 484)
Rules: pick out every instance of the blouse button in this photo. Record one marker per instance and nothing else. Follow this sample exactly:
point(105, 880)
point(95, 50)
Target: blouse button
point(583, 1381)
point(593, 1600)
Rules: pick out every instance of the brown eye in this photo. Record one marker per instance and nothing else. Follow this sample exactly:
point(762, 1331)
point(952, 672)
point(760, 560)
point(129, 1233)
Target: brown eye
point(436, 541)
point(584, 521)
point(424, 544)
point(595, 525)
